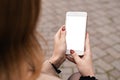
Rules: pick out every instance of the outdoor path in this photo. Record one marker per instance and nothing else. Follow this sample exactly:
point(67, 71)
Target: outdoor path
point(103, 27)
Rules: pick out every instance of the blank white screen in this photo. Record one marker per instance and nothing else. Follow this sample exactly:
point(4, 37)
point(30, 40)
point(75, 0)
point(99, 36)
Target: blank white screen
point(76, 28)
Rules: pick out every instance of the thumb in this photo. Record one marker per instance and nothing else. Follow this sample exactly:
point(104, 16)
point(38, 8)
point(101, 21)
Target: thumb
point(63, 32)
point(75, 56)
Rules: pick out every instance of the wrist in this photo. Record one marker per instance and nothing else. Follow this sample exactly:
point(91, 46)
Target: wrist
point(55, 61)
point(55, 68)
point(91, 74)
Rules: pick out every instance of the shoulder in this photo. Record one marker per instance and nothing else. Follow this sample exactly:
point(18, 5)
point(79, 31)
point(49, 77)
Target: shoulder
point(47, 77)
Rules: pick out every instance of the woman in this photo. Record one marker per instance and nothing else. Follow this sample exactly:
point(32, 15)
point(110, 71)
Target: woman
point(21, 56)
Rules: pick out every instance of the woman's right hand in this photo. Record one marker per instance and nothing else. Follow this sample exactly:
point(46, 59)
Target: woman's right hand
point(84, 63)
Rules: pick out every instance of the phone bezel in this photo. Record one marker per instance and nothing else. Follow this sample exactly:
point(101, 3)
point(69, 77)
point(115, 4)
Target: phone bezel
point(80, 53)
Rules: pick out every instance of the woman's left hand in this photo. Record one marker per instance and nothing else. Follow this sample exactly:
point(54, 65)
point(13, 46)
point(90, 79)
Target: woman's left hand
point(59, 56)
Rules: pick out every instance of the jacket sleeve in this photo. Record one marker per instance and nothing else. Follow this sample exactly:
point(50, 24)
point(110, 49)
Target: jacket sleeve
point(48, 69)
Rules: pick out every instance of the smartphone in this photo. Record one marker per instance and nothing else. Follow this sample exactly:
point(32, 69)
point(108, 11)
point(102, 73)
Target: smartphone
point(76, 31)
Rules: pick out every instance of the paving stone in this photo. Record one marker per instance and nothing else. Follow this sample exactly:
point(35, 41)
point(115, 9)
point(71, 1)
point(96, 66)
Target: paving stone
point(91, 32)
point(118, 33)
point(94, 56)
point(102, 77)
point(68, 64)
point(108, 41)
point(66, 70)
point(110, 28)
point(103, 26)
point(115, 73)
point(117, 47)
point(75, 70)
point(103, 46)
point(119, 79)
point(94, 41)
point(116, 64)
point(103, 65)
point(65, 76)
point(114, 37)
point(113, 53)
point(108, 58)
point(99, 70)
point(98, 36)
point(99, 52)
point(111, 78)
point(103, 31)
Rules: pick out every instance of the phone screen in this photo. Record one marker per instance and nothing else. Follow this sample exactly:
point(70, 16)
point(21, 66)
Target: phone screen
point(76, 29)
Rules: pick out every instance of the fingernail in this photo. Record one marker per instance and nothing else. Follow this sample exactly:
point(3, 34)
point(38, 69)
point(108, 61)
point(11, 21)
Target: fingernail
point(63, 29)
point(72, 51)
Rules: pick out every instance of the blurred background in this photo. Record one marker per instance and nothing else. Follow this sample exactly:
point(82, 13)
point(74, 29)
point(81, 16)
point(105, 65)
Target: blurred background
point(103, 26)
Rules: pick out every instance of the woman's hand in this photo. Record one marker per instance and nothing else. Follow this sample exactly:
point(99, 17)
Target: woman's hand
point(58, 56)
point(84, 63)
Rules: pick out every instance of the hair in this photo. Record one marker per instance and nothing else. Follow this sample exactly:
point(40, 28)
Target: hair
point(20, 52)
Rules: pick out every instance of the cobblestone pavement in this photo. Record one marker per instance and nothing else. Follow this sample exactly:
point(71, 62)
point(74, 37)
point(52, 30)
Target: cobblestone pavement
point(103, 26)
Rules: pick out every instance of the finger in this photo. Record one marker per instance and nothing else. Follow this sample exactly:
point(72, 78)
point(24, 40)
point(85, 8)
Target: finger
point(75, 56)
point(70, 59)
point(58, 33)
point(87, 44)
point(63, 33)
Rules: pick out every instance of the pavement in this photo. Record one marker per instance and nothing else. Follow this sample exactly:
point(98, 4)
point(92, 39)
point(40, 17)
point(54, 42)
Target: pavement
point(103, 26)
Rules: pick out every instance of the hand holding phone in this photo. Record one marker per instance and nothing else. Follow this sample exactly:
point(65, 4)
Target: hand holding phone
point(76, 30)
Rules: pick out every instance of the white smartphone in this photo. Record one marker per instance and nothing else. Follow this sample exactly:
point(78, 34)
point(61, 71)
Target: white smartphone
point(76, 31)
